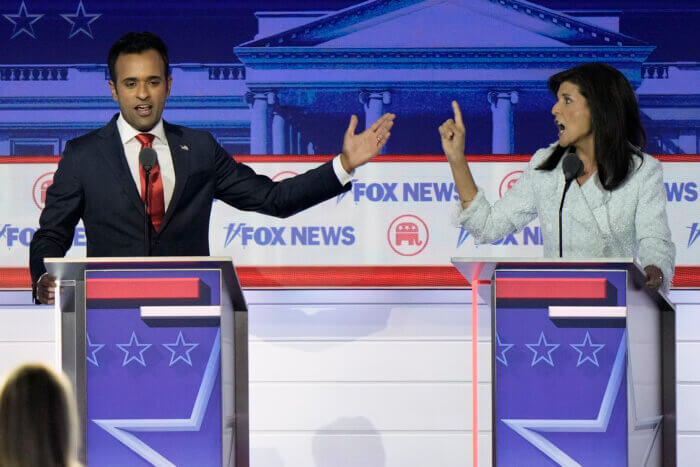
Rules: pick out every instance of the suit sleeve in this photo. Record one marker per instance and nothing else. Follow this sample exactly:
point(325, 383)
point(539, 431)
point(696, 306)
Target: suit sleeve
point(239, 186)
point(651, 222)
point(62, 211)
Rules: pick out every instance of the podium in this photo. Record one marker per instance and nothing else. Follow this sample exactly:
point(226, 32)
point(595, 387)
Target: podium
point(582, 362)
point(157, 351)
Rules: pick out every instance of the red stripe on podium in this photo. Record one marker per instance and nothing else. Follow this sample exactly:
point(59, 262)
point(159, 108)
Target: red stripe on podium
point(347, 276)
point(142, 288)
point(551, 287)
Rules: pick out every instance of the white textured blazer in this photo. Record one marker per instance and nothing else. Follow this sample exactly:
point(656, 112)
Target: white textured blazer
point(629, 221)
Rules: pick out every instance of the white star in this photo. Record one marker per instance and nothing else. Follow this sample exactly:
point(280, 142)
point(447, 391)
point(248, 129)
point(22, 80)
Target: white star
point(180, 350)
point(584, 352)
point(540, 349)
point(133, 350)
point(501, 354)
point(93, 349)
point(23, 22)
point(80, 21)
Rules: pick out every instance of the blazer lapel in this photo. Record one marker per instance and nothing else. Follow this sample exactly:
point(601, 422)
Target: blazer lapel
point(113, 152)
point(180, 153)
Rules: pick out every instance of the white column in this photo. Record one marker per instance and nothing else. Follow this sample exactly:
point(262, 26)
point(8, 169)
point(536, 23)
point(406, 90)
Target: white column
point(502, 136)
point(279, 132)
point(259, 106)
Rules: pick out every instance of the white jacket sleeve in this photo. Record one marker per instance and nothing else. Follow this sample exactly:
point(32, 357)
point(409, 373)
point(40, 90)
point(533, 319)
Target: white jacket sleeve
point(655, 246)
point(488, 222)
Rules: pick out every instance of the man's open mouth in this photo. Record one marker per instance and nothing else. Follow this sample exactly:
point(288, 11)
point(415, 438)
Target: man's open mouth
point(144, 109)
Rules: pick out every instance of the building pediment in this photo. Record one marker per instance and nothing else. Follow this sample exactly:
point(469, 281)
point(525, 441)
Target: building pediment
point(461, 24)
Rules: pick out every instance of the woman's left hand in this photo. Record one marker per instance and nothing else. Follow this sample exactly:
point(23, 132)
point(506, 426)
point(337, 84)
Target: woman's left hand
point(655, 278)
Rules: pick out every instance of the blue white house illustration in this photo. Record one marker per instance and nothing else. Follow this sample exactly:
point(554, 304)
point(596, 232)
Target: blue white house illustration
point(292, 88)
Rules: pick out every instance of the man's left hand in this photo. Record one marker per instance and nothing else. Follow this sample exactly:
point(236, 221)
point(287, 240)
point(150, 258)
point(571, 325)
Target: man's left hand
point(360, 149)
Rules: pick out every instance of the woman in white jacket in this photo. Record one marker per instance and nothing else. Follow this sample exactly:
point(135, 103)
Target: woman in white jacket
point(617, 205)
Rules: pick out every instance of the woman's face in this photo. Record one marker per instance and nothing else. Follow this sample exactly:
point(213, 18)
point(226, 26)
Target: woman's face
point(572, 116)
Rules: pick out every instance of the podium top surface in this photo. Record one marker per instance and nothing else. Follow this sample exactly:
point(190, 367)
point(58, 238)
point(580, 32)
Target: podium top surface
point(482, 268)
point(74, 269)
point(139, 259)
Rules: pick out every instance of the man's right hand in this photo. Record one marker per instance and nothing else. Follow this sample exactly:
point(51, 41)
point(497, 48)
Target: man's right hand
point(45, 289)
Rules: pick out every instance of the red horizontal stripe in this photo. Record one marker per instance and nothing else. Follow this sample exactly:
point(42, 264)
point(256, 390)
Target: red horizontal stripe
point(29, 159)
point(351, 276)
point(551, 287)
point(383, 158)
point(143, 288)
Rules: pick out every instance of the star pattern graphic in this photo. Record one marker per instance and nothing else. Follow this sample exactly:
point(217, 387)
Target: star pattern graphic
point(180, 350)
point(80, 21)
point(501, 350)
point(133, 351)
point(23, 21)
point(542, 350)
point(122, 429)
point(587, 351)
point(530, 429)
point(91, 351)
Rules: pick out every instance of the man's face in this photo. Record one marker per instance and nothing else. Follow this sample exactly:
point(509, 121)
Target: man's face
point(141, 88)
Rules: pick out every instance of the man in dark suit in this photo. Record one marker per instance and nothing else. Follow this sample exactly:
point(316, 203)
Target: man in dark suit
point(99, 178)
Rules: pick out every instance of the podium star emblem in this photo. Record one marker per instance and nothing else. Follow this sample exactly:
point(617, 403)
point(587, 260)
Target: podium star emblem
point(133, 350)
point(92, 350)
point(180, 350)
point(585, 353)
point(542, 351)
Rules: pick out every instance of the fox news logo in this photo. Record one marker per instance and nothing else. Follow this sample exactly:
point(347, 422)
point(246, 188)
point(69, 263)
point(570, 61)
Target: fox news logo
point(694, 233)
point(528, 236)
point(309, 235)
point(424, 192)
point(681, 191)
point(12, 236)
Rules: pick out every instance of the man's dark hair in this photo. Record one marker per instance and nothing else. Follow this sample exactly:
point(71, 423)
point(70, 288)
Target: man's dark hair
point(136, 43)
point(615, 121)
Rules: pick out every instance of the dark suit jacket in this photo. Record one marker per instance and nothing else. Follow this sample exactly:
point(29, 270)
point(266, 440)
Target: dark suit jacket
point(93, 182)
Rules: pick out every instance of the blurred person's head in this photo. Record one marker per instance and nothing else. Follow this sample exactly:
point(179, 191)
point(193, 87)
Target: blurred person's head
point(38, 419)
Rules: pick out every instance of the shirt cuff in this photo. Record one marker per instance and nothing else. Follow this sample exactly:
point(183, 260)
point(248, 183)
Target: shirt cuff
point(343, 177)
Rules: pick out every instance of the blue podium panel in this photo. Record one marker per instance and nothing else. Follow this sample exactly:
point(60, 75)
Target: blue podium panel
point(560, 389)
point(153, 386)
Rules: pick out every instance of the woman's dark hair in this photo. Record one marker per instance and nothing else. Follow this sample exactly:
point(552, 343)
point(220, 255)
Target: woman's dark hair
point(38, 419)
point(615, 121)
point(136, 43)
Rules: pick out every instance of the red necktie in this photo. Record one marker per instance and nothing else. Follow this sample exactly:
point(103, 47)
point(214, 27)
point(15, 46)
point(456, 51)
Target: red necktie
point(156, 201)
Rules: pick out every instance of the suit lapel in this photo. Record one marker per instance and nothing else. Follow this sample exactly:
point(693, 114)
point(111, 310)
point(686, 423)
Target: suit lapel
point(180, 153)
point(113, 152)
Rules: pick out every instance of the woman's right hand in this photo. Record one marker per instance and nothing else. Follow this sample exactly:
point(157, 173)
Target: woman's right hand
point(452, 134)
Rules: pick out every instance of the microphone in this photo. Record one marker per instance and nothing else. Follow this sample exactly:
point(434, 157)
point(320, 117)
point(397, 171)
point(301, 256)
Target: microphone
point(147, 159)
point(572, 168)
